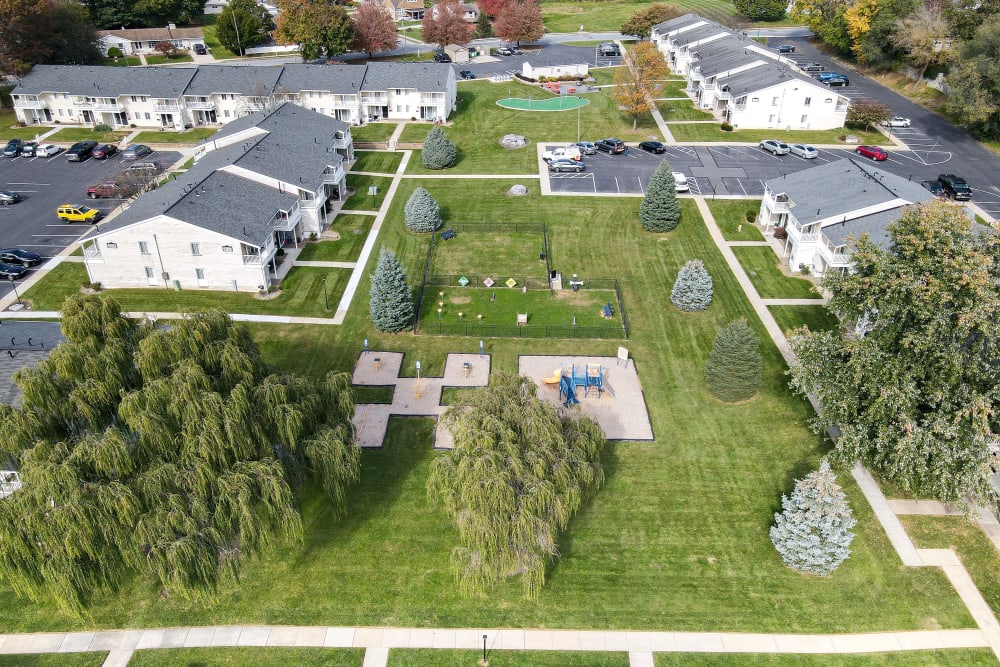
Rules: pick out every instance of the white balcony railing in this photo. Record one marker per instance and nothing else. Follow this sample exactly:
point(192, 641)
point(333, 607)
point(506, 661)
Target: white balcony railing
point(22, 103)
point(376, 100)
point(833, 255)
point(92, 252)
point(200, 105)
point(333, 176)
point(108, 106)
point(167, 107)
point(252, 259)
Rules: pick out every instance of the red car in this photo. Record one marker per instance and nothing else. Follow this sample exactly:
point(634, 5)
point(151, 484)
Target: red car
point(874, 152)
point(104, 151)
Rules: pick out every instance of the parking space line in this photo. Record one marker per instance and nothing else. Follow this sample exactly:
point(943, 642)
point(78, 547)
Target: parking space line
point(616, 185)
point(639, 178)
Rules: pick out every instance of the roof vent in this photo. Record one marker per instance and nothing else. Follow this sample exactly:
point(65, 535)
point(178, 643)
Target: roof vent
point(244, 230)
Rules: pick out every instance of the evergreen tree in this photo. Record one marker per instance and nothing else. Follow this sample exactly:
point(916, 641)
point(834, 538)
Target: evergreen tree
point(439, 152)
point(422, 213)
point(734, 367)
point(813, 532)
point(484, 28)
point(660, 211)
point(518, 473)
point(391, 305)
point(692, 290)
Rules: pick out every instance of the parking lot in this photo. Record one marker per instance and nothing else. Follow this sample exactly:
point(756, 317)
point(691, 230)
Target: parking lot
point(44, 184)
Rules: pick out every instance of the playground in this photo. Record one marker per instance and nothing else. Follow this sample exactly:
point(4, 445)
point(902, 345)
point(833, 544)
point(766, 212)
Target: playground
point(564, 102)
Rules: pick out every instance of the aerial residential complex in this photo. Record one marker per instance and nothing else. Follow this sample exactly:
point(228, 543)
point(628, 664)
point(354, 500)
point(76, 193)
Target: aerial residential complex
point(174, 98)
point(745, 84)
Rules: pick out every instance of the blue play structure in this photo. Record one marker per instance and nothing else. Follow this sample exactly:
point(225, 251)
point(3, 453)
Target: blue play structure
point(589, 376)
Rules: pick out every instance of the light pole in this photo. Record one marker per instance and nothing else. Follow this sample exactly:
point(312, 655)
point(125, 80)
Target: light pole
point(239, 43)
point(14, 287)
point(326, 300)
point(417, 388)
point(578, 119)
point(484, 661)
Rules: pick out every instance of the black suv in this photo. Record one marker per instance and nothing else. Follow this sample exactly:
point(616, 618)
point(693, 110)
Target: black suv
point(80, 151)
point(13, 148)
point(611, 146)
point(956, 187)
point(442, 58)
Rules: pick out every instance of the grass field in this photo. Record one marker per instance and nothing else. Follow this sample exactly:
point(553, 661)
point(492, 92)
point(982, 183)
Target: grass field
point(964, 657)
point(711, 132)
point(361, 200)
point(73, 134)
point(353, 231)
point(603, 76)
point(160, 59)
point(762, 265)
point(490, 253)
point(379, 162)
point(191, 136)
point(432, 658)
point(479, 123)
point(731, 216)
point(257, 656)
point(673, 110)
point(215, 47)
point(817, 318)
point(95, 659)
point(596, 16)
point(10, 129)
point(373, 131)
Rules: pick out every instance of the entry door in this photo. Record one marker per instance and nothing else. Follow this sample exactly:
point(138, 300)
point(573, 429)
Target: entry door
point(151, 276)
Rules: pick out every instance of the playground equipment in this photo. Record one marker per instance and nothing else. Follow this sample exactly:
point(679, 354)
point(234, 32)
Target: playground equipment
point(567, 391)
point(588, 376)
point(555, 379)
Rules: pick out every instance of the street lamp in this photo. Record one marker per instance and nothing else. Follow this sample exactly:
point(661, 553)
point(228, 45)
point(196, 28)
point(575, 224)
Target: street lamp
point(326, 299)
point(578, 105)
point(484, 661)
point(14, 287)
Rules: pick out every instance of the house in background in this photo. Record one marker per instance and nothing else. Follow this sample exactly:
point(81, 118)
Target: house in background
point(823, 208)
point(216, 7)
point(265, 182)
point(402, 10)
point(742, 82)
point(144, 40)
point(470, 12)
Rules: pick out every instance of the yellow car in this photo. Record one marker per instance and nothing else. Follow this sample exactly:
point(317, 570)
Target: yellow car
point(78, 213)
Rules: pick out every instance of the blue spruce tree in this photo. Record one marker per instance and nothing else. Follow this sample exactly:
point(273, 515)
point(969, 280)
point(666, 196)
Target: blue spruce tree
point(391, 304)
point(692, 290)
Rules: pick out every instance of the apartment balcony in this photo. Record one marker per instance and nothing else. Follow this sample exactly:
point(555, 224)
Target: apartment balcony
point(21, 103)
point(285, 221)
point(739, 107)
point(167, 107)
point(199, 105)
point(112, 107)
point(833, 256)
point(342, 142)
point(776, 201)
point(432, 99)
point(81, 103)
point(333, 176)
point(375, 100)
point(92, 251)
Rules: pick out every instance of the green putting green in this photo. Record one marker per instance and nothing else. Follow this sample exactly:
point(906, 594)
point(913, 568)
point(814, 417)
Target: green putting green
point(561, 103)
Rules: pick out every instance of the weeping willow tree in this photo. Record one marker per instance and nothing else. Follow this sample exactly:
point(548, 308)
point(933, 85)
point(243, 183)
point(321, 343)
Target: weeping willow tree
point(518, 473)
point(170, 453)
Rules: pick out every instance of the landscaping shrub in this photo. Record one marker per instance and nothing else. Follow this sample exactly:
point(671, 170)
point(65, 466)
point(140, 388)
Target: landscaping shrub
point(692, 290)
point(813, 534)
point(726, 127)
point(734, 366)
point(102, 127)
point(391, 305)
point(751, 216)
point(660, 211)
point(439, 152)
point(422, 213)
point(114, 52)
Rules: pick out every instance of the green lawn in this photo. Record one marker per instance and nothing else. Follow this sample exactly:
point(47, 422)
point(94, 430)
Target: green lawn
point(597, 16)
point(674, 88)
point(257, 656)
point(367, 394)
point(373, 131)
point(479, 123)
point(10, 129)
point(73, 134)
point(490, 253)
point(672, 110)
point(731, 214)
point(301, 294)
point(94, 659)
point(965, 657)
point(457, 658)
point(160, 59)
point(191, 136)
point(215, 47)
point(762, 265)
point(415, 32)
point(361, 200)
point(379, 162)
point(353, 231)
point(711, 132)
point(817, 318)
point(677, 538)
point(603, 76)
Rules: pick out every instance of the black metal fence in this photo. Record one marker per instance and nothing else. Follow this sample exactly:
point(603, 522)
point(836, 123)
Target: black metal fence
point(474, 281)
point(474, 329)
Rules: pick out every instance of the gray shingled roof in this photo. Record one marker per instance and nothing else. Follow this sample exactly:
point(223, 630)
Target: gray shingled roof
point(100, 81)
point(699, 33)
point(838, 188)
point(425, 77)
point(252, 80)
point(337, 79)
point(679, 22)
point(763, 77)
point(724, 63)
point(875, 225)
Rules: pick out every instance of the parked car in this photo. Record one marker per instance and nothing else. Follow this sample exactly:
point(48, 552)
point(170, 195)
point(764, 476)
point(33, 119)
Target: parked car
point(136, 151)
point(823, 76)
point(78, 213)
point(611, 146)
point(504, 51)
point(652, 147)
point(11, 271)
point(7, 197)
point(811, 67)
point(20, 256)
point(111, 189)
point(28, 149)
point(876, 153)
point(935, 188)
point(680, 182)
point(896, 121)
point(956, 187)
point(786, 48)
point(13, 148)
point(609, 50)
point(836, 81)
point(561, 153)
point(514, 49)
point(80, 151)
point(150, 168)
point(774, 147)
point(47, 150)
point(804, 151)
point(467, 74)
point(200, 49)
point(104, 151)
point(566, 164)
point(442, 58)
point(586, 148)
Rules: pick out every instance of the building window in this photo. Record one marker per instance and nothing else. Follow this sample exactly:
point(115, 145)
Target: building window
point(226, 113)
point(147, 115)
point(804, 119)
point(774, 101)
point(60, 112)
point(150, 273)
point(199, 274)
point(195, 248)
point(112, 244)
point(770, 119)
point(227, 248)
point(807, 102)
point(755, 99)
point(143, 248)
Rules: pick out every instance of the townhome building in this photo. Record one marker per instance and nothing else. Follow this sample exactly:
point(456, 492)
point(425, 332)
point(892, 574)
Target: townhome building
point(265, 182)
point(744, 83)
point(179, 97)
point(822, 209)
point(144, 40)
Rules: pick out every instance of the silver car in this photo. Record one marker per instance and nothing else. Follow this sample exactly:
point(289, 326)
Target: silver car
point(586, 147)
point(774, 147)
point(804, 151)
point(896, 121)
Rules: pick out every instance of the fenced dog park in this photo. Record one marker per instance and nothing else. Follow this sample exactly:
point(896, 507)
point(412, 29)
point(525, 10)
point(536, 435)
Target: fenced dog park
point(496, 280)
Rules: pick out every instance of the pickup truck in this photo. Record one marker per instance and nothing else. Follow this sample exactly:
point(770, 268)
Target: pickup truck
point(563, 152)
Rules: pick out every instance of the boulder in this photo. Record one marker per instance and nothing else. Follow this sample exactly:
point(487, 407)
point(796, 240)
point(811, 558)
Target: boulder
point(518, 190)
point(511, 141)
